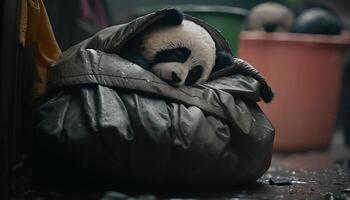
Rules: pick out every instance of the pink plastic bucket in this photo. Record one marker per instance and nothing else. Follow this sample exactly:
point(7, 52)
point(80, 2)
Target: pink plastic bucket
point(305, 72)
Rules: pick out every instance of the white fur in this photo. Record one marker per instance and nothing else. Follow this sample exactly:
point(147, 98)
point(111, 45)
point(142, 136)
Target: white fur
point(188, 34)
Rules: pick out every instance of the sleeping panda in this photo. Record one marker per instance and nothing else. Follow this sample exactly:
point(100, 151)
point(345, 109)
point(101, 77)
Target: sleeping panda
point(178, 51)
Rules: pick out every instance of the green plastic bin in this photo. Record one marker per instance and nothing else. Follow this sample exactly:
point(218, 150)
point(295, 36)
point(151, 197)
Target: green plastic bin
point(228, 20)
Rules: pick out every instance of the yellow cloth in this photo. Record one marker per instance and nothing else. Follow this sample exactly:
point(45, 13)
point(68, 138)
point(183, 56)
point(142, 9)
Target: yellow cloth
point(35, 29)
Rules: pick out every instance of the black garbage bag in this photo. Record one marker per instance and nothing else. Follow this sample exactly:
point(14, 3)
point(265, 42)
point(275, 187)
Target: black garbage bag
point(106, 120)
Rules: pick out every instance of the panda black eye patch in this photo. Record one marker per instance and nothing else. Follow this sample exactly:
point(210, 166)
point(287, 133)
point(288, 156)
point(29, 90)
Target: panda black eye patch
point(194, 75)
point(179, 54)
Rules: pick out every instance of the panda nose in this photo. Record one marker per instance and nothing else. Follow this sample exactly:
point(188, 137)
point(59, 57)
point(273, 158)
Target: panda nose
point(175, 78)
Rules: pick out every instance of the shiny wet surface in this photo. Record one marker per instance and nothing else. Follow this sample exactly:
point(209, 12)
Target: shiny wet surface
point(312, 175)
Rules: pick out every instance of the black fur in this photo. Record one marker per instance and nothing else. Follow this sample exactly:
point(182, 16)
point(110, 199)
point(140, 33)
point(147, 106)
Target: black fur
point(179, 54)
point(223, 59)
point(194, 75)
point(132, 52)
point(173, 17)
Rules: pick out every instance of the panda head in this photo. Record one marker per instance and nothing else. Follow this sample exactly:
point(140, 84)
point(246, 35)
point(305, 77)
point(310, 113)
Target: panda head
point(177, 50)
point(182, 54)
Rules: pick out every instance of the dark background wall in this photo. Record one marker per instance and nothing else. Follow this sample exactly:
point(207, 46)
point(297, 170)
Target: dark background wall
point(9, 90)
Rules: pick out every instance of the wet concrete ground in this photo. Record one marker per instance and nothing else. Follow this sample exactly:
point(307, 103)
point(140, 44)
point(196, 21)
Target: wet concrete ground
point(309, 176)
point(312, 175)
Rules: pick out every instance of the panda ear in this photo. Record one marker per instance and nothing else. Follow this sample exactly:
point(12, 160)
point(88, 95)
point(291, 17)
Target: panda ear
point(173, 17)
point(223, 59)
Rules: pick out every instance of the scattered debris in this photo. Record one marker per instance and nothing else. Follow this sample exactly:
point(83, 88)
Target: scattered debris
point(279, 183)
point(298, 182)
point(285, 182)
point(346, 190)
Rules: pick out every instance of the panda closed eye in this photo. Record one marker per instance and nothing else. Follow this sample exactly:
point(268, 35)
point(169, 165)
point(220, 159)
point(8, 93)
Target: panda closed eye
point(179, 54)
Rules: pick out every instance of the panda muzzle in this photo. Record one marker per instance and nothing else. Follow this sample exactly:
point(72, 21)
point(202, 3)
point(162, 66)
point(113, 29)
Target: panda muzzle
point(173, 73)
